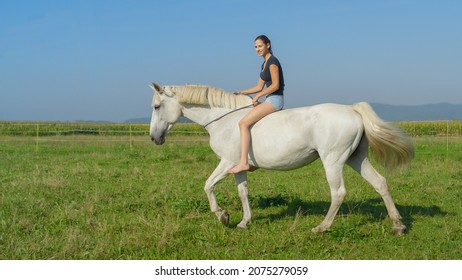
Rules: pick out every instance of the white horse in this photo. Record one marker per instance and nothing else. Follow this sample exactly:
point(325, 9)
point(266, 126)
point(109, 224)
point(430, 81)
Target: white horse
point(285, 140)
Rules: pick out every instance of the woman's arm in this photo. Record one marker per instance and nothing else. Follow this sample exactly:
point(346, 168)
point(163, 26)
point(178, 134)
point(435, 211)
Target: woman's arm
point(255, 89)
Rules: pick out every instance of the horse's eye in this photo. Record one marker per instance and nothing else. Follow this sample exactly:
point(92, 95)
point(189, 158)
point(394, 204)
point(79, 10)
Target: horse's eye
point(156, 107)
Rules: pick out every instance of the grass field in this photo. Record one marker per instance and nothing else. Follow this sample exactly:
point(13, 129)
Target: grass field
point(86, 197)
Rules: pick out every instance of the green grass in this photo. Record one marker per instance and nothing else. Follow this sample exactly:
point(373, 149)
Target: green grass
point(85, 198)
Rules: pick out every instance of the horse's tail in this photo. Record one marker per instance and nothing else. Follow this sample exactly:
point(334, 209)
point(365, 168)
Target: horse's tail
point(389, 144)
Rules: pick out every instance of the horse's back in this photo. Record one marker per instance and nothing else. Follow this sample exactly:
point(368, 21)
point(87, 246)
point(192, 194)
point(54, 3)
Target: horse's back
point(317, 118)
point(297, 136)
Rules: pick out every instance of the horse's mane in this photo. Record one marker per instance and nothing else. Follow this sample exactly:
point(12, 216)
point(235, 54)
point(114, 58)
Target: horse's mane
point(207, 95)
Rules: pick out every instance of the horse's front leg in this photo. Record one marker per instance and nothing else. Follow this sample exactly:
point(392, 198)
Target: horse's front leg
point(241, 181)
point(220, 172)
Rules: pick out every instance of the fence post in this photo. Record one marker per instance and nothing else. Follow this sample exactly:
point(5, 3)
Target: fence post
point(447, 139)
point(131, 144)
point(37, 139)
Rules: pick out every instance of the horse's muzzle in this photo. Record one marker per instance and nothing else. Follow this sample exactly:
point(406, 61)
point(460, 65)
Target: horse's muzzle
point(158, 141)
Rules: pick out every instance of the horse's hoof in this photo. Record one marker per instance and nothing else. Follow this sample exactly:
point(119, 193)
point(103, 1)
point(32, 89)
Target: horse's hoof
point(318, 229)
point(224, 218)
point(242, 225)
point(399, 230)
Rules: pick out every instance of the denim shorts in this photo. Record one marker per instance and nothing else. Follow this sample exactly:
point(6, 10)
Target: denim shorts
point(276, 100)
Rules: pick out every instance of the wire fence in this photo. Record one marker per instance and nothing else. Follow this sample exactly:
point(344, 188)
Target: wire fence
point(127, 132)
point(414, 128)
point(40, 132)
point(102, 129)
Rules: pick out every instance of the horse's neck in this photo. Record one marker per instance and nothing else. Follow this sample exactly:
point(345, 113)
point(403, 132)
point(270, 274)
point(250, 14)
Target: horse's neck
point(203, 114)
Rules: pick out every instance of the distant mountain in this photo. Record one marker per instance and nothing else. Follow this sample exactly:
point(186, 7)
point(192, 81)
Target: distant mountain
point(138, 120)
point(148, 120)
point(430, 112)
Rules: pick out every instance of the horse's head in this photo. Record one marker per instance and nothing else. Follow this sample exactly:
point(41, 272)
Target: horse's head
point(166, 111)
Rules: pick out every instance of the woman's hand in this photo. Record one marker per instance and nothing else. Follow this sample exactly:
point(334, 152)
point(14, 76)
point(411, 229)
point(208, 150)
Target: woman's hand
point(255, 101)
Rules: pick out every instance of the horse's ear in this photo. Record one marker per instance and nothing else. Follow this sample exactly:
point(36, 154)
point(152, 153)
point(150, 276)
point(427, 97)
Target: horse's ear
point(156, 88)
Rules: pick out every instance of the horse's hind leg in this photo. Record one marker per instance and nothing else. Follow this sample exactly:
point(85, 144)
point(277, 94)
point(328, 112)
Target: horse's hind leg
point(359, 162)
point(218, 174)
point(334, 173)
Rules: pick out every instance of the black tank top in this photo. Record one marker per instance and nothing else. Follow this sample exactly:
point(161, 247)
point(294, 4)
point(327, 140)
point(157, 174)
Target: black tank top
point(266, 76)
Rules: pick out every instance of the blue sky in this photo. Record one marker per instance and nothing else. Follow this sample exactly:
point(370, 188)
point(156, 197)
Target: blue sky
point(94, 60)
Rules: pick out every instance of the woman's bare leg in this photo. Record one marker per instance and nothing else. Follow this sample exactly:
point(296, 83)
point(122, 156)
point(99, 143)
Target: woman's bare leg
point(247, 121)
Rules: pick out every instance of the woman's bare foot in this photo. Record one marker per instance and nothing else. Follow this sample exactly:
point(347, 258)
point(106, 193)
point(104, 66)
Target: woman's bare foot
point(239, 168)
